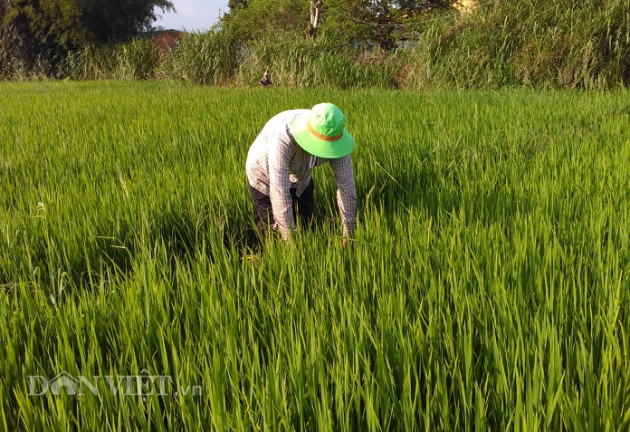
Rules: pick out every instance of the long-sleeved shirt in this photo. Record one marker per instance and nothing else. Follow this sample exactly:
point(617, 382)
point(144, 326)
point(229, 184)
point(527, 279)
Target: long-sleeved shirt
point(276, 163)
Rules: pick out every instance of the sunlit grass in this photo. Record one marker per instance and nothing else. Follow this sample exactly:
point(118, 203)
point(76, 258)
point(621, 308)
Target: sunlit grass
point(487, 287)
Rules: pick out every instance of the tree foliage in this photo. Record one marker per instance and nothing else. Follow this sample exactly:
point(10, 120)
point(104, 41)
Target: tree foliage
point(381, 21)
point(40, 33)
point(254, 19)
point(116, 20)
point(233, 4)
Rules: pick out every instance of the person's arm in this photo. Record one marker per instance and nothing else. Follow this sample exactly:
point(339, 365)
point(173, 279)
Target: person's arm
point(346, 193)
point(280, 155)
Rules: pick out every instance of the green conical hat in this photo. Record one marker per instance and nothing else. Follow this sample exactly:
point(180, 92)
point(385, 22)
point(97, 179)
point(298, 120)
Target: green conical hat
point(323, 133)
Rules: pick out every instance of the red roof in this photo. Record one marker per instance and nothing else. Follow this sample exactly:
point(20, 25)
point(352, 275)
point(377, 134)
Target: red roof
point(166, 40)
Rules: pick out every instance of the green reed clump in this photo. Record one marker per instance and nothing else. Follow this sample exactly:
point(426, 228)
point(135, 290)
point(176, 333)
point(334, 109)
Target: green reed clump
point(533, 43)
point(134, 60)
point(204, 58)
point(298, 62)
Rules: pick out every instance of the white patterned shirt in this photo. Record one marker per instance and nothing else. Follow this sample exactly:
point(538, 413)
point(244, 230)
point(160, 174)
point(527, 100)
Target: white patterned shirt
point(276, 163)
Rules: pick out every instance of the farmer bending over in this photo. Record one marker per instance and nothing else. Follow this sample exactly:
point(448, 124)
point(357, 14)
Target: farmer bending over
point(280, 161)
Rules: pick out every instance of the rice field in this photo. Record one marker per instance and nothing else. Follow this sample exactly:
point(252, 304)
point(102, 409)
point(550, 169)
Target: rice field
point(487, 286)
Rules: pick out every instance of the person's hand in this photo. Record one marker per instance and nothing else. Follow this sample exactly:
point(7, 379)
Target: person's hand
point(346, 244)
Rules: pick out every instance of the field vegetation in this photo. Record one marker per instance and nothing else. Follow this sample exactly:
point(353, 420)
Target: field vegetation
point(500, 43)
point(487, 286)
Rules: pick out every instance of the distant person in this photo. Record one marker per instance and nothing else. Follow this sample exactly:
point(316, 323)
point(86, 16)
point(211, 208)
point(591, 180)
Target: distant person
point(265, 80)
point(280, 161)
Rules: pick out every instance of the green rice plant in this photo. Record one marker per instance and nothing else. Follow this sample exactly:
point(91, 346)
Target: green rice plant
point(486, 288)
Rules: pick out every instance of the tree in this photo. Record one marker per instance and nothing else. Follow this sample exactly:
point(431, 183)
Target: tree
point(119, 20)
point(316, 10)
point(254, 19)
point(380, 21)
point(38, 34)
point(234, 4)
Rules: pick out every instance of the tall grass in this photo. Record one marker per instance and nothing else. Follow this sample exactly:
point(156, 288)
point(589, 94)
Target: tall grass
point(204, 58)
point(533, 43)
point(487, 287)
point(135, 60)
point(297, 62)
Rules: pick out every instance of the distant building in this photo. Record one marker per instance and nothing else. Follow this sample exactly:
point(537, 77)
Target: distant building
point(165, 41)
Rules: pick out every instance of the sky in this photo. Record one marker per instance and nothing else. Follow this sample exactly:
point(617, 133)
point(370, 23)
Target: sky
point(192, 14)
